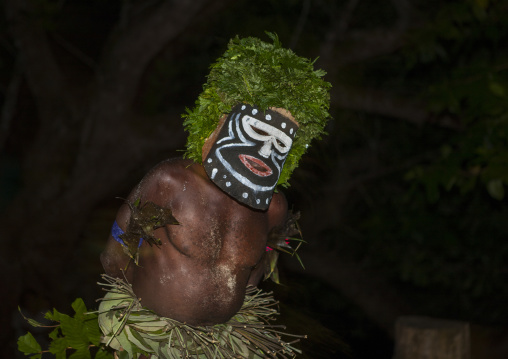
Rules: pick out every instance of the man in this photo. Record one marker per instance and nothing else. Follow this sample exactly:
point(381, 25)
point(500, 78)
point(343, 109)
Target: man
point(191, 236)
point(199, 273)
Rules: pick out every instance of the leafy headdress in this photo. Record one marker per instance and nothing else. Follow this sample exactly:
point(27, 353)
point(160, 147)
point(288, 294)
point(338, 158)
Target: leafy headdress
point(266, 75)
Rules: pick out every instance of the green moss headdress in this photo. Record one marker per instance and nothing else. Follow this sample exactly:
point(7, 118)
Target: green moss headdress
point(266, 75)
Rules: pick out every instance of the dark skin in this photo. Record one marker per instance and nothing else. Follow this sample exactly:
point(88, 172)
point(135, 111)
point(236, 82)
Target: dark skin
point(199, 274)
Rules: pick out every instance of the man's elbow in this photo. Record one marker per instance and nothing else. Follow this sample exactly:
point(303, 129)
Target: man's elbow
point(111, 265)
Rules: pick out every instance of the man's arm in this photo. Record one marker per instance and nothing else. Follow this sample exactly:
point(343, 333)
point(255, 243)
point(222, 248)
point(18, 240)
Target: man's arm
point(257, 272)
point(153, 187)
point(278, 211)
point(114, 259)
point(277, 215)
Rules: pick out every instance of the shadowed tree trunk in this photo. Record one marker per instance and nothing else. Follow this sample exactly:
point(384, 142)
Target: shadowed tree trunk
point(74, 161)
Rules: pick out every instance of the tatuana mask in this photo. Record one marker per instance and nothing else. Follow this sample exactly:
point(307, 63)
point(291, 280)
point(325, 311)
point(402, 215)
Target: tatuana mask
point(249, 152)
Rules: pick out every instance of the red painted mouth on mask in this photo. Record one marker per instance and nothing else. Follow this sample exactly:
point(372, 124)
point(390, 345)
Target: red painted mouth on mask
point(255, 165)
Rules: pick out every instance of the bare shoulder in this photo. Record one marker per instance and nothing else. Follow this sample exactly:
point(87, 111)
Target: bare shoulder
point(163, 180)
point(168, 171)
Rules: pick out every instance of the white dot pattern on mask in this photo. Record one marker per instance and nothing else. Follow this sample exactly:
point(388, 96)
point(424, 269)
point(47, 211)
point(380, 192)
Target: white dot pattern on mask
point(254, 111)
point(243, 107)
point(245, 195)
point(214, 172)
point(283, 125)
point(228, 184)
point(291, 131)
point(268, 117)
point(209, 160)
point(258, 200)
point(224, 176)
point(267, 201)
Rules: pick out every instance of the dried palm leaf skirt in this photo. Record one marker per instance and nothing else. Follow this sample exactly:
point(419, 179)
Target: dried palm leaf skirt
point(133, 330)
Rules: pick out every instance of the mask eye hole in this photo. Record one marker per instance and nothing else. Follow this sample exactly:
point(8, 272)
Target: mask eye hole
point(259, 131)
point(280, 143)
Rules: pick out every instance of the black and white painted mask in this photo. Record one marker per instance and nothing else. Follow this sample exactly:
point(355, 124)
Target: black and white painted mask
point(249, 152)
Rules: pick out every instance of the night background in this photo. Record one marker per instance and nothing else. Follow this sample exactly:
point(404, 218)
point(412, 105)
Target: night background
point(403, 203)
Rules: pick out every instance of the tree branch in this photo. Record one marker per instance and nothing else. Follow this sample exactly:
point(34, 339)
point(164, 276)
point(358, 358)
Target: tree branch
point(40, 68)
point(128, 53)
point(56, 131)
point(377, 102)
point(362, 45)
point(74, 51)
point(381, 103)
point(337, 31)
point(344, 46)
point(302, 19)
point(404, 8)
point(131, 51)
point(9, 105)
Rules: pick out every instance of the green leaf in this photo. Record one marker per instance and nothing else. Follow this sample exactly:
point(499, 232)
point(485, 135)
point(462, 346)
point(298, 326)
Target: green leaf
point(152, 326)
point(54, 333)
point(30, 321)
point(125, 344)
point(299, 260)
point(497, 89)
point(482, 3)
point(103, 354)
point(496, 189)
point(54, 316)
point(136, 339)
point(92, 329)
point(28, 345)
point(59, 347)
point(73, 330)
point(79, 307)
point(81, 353)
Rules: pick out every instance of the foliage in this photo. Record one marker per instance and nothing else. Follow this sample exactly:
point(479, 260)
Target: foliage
point(462, 52)
point(137, 330)
point(279, 241)
point(454, 246)
point(429, 213)
point(73, 337)
point(266, 75)
point(452, 236)
point(144, 220)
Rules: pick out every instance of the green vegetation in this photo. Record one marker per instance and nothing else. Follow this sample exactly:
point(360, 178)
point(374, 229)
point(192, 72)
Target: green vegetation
point(266, 75)
point(72, 337)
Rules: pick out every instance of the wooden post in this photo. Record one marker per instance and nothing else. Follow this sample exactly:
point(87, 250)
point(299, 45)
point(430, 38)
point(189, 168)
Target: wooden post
point(429, 338)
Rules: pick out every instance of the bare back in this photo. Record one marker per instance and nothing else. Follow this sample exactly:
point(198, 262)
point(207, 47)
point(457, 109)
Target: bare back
point(200, 272)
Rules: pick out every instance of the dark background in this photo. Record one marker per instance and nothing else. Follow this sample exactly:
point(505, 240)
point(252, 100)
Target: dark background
point(403, 202)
